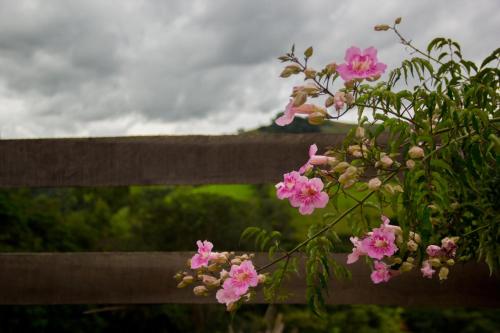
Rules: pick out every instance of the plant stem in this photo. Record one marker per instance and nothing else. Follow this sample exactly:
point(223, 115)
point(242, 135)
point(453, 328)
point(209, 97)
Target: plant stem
point(323, 230)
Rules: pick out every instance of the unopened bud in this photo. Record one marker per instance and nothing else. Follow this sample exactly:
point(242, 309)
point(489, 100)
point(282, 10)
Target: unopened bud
point(410, 164)
point(224, 274)
point(416, 152)
point(331, 68)
point(443, 273)
point(435, 262)
point(213, 268)
point(412, 245)
point(450, 262)
point(235, 261)
point(232, 307)
point(186, 281)
point(200, 291)
point(397, 21)
point(300, 99)
point(397, 260)
point(415, 237)
point(341, 167)
point(349, 84)
point(178, 276)
point(316, 118)
point(386, 162)
point(360, 132)
point(374, 184)
point(382, 27)
point(210, 281)
point(410, 260)
point(290, 69)
point(310, 73)
point(329, 101)
point(262, 278)
point(406, 266)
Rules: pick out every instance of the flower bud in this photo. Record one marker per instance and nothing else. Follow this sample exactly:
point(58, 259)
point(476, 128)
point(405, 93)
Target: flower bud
point(178, 276)
point(329, 101)
point(316, 118)
point(262, 278)
point(412, 245)
point(310, 73)
point(331, 68)
point(397, 21)
point(416, 152)
point(186, 281)
point(397, 260)
point(200, 291)
point(410, 260)
point(235, 261)
point(433, 251)
point(410, 164)
point(213, 268)
point(443, 273)
point(381, 27)
point(360, 132)
point(386, 162)
point(349, 84)
point(300, 99)
point(450, 262)
point(415, 237)
point(341, 167)
point(224, 274)
point(210, 281)
point(435, 262)
point(349, 99)
point(374, 184)
point(406, 266)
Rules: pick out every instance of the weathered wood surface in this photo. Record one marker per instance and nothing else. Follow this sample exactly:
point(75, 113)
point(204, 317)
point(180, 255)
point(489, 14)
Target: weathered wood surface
point(155, 160)
point(126, 278)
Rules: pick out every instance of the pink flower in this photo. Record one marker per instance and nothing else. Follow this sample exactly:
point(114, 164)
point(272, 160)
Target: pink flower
point(203, 256)
point(286, 188)
point(227, 296)
point(313, 159)
point(242, 277)
point(291, 111)
point(380, 243)
point(339, 100)
point(449, 246)
point(381, 272)
point(356, 251)
point(309, 195)
point(433, 251)
point(427, 270)
point(360, 65)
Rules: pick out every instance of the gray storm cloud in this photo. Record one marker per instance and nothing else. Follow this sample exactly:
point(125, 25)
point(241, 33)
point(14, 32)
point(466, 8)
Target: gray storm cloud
point(76, 68)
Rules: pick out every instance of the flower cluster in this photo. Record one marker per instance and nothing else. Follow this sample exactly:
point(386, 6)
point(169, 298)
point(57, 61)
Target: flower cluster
point(234, 285)
point(440, 257)
point(382, 243)
point(302, 192)
point(377, 244)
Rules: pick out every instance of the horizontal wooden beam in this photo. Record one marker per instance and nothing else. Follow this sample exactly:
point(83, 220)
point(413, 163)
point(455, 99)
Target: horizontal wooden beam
point(135, 278)
point(155, 160)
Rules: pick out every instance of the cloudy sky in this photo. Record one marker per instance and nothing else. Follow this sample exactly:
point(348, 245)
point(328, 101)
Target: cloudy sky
point(107, 68)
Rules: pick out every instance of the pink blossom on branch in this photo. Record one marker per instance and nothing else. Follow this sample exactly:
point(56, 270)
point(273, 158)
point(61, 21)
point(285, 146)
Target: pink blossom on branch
point(314, 159)
point(242, 277)
point(381, 272)
point(291, 111)
point(203, 256)
point(380, 243)
point(361, 65)
point(356, 251)
point(309, 195)
point(227, 296)
point(427, 270)
point(286, 188)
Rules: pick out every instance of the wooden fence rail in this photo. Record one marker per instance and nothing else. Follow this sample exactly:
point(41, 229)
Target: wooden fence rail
point(126, 278)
